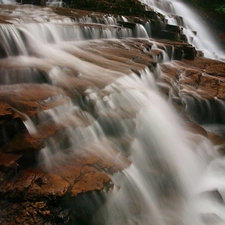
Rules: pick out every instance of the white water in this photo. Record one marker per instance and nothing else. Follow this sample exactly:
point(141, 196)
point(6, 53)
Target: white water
point(164, 181)
point(204, 40)
point(7, 2)
point(172, 171)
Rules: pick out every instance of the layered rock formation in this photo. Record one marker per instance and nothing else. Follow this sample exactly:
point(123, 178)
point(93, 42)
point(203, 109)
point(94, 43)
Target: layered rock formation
point(35, 192)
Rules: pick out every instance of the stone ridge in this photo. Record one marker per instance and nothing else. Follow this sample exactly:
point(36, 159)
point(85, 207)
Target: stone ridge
point(64, 192)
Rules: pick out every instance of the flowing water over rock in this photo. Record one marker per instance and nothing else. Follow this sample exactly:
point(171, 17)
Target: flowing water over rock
point(177, 13)
point(89, 91)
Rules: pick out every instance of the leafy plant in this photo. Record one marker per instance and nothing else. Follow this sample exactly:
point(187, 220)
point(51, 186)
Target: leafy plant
point(221, 7)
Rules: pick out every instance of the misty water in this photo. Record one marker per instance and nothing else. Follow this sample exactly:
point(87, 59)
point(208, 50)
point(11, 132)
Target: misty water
point(175, 176)
point(191, 23)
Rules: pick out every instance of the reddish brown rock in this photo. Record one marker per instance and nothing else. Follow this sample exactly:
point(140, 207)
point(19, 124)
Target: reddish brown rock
point(196, 129)
point(7, 110)
point(208, 86)
point(221, 90)
point(9, 160)
point(201, 76)
point(29, 98)
point(47, 185)
point(41, 191)
point(23, 142)
point(92, 180)
point(34, 184)
point(191, 77)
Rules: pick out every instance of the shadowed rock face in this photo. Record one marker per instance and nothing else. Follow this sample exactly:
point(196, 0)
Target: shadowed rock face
point(33, 195)
point(205, 77)
point(70, 189)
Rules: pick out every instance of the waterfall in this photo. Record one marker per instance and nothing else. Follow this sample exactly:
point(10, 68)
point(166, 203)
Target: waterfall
point(7, 2)
point(178, 13)
point(163, 183)
point(103, 102)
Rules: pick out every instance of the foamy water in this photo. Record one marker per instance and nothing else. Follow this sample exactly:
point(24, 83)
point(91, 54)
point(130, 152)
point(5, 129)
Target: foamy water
point(100, 105)
point(191, 23)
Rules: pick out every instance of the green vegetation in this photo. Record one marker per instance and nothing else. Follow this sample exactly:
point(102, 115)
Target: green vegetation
point(212, 11)
point(221, 7)
point(209, 5)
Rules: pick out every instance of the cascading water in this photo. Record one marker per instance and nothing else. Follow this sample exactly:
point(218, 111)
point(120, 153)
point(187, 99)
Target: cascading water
point(203, 40)
point(163, 182)
point(6, 2)
point(191, 23)
point(173, 173)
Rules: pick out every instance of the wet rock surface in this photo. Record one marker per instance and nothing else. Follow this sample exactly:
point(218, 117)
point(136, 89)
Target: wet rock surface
point(200, 84)
point(34, 193)
point(205, 77)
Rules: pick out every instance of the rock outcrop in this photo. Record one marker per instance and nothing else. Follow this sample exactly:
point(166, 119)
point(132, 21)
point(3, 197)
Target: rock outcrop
point(33, 191)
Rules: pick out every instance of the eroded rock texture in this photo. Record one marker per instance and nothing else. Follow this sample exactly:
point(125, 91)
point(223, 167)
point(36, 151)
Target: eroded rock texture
point(70, 189)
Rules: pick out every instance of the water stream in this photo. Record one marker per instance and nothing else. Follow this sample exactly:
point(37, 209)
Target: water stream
point(178, 13)
point(174, 174)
